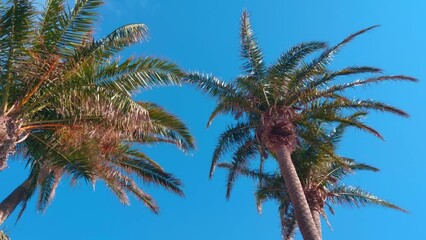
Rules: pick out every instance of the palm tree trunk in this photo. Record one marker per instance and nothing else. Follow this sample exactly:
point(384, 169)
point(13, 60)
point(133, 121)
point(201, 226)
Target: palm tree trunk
point(9, 204)
point(8, 139)
point(317, 219)
point(302, 212)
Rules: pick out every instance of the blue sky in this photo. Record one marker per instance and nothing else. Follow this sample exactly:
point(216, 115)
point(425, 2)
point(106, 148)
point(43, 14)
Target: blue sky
point(203, 36)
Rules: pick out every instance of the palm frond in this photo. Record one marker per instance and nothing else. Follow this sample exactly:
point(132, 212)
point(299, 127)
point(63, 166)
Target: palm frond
point(236, 106)
point(50, 24)
point(329, 53)
point(337, 134)
point(240, 158)
point(47, 188)
point(280, 73)
point(141, 73)
point(288, 221)
point(102, 50)
point(210, 85)
point(75, 26)
point(149, 172)
point(116, 186)
point(364, 105)
point(16, 30)
point(325, 57)
point(232, 137)
point(355, 196)
point(131, 186)
point(348, 122)
point(293, 57)
point(159, 117)
point(340, 87)
point(330, 173)
point(250, 52)
point(75, 163)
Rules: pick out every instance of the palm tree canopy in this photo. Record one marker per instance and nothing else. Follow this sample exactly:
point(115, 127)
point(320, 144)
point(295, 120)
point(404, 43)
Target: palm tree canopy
point(66, 100)
point(298, 90)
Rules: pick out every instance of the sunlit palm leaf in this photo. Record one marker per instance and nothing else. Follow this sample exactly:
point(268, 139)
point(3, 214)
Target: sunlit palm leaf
point(354, 196)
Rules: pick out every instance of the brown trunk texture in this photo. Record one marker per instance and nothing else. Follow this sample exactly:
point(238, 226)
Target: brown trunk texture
point(316, 198)
point(8, 139)
point(9, 204)
point(317, 219)
point(301, 208)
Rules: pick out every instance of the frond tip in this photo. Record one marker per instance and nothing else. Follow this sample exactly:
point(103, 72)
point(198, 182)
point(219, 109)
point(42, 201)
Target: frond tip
point(250, 51)
point(355, 196)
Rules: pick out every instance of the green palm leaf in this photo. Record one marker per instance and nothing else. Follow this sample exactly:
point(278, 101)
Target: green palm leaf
point(160, 118)
point(16, 28)
point(354, 196)
point(250, 52)
point(234, 135)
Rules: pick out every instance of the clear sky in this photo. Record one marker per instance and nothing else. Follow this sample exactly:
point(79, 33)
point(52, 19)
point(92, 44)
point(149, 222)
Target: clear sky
point(203, 36)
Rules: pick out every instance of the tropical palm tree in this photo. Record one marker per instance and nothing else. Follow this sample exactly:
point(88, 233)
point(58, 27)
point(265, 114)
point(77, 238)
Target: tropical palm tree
point(277, 105)
point(321, 175)
point(54, 74)
point(66, 102)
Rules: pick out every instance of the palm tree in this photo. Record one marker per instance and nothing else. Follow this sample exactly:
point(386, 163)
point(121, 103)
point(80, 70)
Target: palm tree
point(54, 74)
point(66, 102)
point(321, 175)
point(275, 106)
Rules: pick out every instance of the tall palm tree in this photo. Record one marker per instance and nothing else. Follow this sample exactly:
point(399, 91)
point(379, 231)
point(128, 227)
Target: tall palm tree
point(321, 175)
point(66, 102)
point(275, 106)
point(54, 74)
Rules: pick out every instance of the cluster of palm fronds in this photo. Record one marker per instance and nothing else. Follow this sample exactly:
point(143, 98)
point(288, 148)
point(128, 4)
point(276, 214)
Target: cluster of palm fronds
point(66, 106)
point(66, 102)
point(287, 111)
point(321, 176)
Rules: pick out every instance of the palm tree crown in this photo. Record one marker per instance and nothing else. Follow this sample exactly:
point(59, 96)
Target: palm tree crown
point(66, 102)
